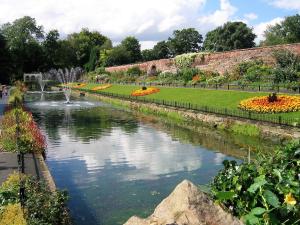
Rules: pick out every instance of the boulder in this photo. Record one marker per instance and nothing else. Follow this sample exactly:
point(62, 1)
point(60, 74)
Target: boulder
point(187, 205)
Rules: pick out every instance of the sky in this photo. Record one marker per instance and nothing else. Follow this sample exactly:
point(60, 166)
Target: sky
point(148, 20)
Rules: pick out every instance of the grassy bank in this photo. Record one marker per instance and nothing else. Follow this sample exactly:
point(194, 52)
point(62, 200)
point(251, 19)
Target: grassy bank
point(202, 97)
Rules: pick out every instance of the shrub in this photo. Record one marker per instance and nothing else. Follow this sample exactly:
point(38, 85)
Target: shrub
point(12, 214)
point(258, 73)
point(187, 74)
point(185, 60)
point(134, 71)
point(30, 137)
point(265, 191)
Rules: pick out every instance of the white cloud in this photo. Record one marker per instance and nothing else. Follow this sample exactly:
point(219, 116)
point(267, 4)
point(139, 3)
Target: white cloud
point(114, 18)
point(219, 17)
point(286, 4)
point(250, 16)
point(261, 27)
point(147, 44)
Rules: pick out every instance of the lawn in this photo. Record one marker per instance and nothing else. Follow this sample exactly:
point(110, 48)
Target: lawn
point(203, 97)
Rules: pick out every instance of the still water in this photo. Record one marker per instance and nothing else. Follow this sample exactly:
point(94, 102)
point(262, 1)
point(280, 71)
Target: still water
point(115, 163)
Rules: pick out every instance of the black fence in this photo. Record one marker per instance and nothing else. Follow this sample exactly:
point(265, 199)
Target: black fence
point(237, 87)
point(270, 118)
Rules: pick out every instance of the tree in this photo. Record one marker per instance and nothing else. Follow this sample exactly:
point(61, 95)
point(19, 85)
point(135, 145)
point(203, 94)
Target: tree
point(23, 40)
point(132, 45)
point(230, 36)
point(118, 56)
point(5, 64)
point(51, 47)
point(94, 59)
point(148, 55)
point(83, 42)
point(287, 31)
point(161, 50)
point(185, 41)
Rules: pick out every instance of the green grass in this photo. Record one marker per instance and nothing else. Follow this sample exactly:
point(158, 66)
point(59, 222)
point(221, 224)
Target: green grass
point(203, 97)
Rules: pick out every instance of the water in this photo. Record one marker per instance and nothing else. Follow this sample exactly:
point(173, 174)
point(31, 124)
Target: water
point(116, 164)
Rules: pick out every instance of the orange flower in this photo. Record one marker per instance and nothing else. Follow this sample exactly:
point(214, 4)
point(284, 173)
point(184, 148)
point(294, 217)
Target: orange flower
point(148, 91)
point(284, 103)
point(196, 78)
point(101, 87)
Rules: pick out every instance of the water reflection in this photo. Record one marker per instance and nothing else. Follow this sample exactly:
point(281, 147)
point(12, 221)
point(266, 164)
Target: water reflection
point(116, 164)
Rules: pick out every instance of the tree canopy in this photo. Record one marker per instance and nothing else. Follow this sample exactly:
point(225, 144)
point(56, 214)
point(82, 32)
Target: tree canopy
point(185, 41)
point(230, 36)
point(132, 45)
point(287, 31)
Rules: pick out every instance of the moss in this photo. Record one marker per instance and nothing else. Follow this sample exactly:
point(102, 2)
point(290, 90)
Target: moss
point(245, 129)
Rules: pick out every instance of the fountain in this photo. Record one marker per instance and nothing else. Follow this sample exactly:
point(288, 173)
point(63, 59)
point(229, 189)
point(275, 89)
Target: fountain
point(66, 78)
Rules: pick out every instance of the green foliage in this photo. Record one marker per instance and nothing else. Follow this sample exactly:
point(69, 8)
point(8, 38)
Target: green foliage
point(185, 60)
point(258, 191)
point(41, 205)
point(162, 50)
point(5, 61)
point(118, 56)
point(148, 55)
point(132, 45)
point(232, 35)
point(93, 60)
point(134, 71)
point(23, 36)
point(288, 67)
point(257, 73)
point(187, 74)
point(245, 129)
point(185, 41)
point(287, 31)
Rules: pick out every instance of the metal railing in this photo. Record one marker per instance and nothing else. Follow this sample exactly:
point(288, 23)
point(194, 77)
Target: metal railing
point(270, 118)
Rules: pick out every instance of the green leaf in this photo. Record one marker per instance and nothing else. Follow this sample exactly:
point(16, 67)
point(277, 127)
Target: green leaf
point(278, 174)
point(259, 181)
point(225, 195)
point(271, 198)
point(257, 211)
point(251, 219)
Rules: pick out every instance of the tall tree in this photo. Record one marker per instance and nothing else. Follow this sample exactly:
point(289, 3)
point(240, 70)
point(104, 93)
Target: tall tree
point(5, 63)
point(185, 41)
point(132, 45)
point(118, 56)
point(52, 47)
point(287, 31)
point(83, 42)
point(23, 39)
point(162, 50)
point(232, 35)
point(148, 55)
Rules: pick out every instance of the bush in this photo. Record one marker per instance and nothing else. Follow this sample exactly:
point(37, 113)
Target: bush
point(265, 191)
point(187, 74)
point(257, 73)
point(41, 205)
point(30, 137)
point(12, 215)
point(134, 71)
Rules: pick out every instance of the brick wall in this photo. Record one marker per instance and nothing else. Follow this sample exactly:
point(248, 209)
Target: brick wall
point(219, 62)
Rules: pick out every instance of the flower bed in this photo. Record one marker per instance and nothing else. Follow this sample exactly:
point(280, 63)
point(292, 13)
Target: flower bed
point(145, 91)
point(102, 87)
point(79, 85)
point(30, 137)
point(283, 103)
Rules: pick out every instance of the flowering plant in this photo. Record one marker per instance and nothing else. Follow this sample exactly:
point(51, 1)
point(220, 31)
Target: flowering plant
point(79, 85)
point(30, 137)
point(145, 91)
point(262, 104)
point(101, 87)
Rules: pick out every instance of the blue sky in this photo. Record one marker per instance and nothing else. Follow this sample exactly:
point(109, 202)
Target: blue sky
point(149, 20)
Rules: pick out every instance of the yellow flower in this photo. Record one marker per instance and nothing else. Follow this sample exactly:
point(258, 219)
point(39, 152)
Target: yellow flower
point(289, 199)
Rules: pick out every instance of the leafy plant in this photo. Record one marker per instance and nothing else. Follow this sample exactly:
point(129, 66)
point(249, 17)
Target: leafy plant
point(265, 191)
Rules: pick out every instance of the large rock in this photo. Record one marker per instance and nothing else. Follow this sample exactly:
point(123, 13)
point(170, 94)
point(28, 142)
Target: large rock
point(187, 205)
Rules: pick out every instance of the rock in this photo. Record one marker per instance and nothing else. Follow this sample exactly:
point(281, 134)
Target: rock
point(187, 205)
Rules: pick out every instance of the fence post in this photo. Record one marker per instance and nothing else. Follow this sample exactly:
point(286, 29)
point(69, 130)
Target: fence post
point(227, 86)
point(175, 104)
point(279, 120)
point(249, 114)
point(259, 87)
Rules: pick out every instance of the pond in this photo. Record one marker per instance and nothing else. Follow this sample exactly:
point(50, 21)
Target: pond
point(116, 163)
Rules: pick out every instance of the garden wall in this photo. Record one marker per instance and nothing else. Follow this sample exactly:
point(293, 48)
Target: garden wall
point(219, 61)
